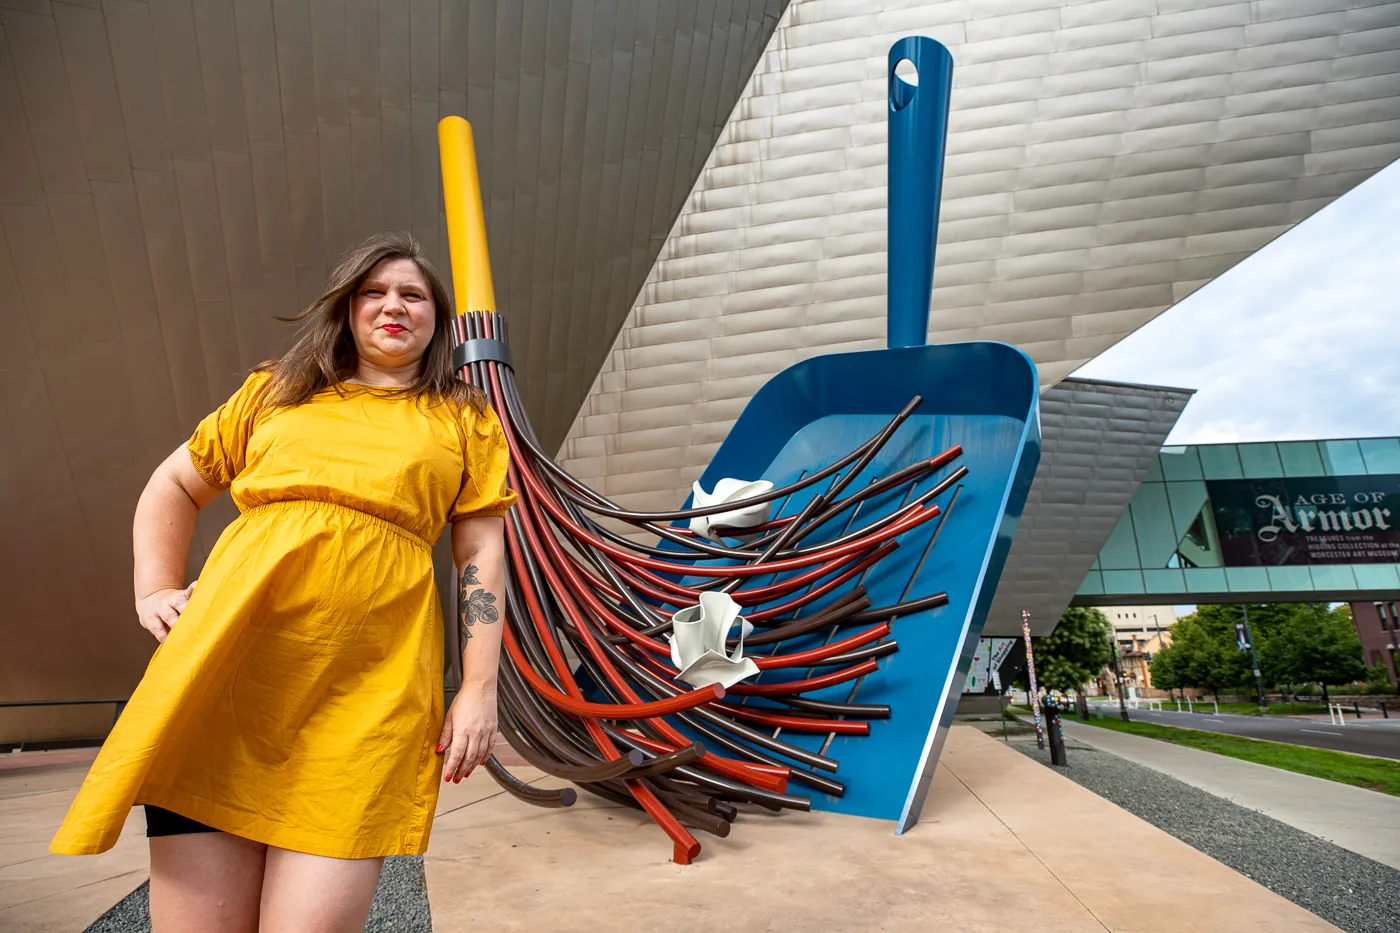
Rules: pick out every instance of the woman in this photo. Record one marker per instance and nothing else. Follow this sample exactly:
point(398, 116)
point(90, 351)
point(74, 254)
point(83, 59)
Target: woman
point(289, 731)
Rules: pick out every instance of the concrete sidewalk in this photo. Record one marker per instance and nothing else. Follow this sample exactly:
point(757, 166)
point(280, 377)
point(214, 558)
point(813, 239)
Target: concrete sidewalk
point(1362, 821)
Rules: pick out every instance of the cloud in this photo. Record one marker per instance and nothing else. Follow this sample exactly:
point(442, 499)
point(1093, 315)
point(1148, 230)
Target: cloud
point(1299, 341)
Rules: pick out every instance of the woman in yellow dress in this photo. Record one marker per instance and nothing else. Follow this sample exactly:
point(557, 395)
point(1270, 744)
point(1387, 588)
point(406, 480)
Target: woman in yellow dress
point(289, 731)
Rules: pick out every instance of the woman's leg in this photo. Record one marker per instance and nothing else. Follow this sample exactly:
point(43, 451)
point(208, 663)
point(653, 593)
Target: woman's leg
point(313, 894)
point(207, 882)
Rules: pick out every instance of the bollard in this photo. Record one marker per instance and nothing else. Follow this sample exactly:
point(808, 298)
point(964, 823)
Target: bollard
point(1356, 705)
point(1189, 708)
point(1216, 704)
point(1054, 731)
point(1384, 714)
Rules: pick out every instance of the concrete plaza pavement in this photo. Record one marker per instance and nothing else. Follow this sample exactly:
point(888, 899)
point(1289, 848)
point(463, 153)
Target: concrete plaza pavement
point(1004, 843)
point(1377, 737)
point(1363, 821)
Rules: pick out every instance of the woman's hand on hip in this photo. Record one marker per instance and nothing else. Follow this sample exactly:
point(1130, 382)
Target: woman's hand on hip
point(468, 733)
point(158, 611)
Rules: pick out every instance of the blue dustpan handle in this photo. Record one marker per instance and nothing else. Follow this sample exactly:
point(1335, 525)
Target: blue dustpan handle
point(918, 131)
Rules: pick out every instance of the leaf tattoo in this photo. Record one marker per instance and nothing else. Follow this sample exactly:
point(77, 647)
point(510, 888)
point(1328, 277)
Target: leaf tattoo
point(481, 608)
point(476, 605)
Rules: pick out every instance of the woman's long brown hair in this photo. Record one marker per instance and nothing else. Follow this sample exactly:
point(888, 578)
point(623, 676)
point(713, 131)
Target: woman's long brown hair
point(324, 352)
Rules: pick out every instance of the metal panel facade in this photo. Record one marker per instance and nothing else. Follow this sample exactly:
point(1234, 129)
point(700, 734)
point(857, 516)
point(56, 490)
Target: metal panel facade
point(1099, 439)
point(175, 173)
point(1106, 159)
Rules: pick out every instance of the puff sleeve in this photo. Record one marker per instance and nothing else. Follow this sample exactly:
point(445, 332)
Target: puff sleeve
point(219, 444)
point(486, 456)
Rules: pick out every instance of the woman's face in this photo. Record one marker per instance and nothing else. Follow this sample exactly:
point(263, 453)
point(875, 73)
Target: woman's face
point(392, 315)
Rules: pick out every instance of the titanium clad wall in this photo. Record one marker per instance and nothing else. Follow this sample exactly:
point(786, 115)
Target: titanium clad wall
point(1105, 160)
point(1099, 439)
point(175, 173)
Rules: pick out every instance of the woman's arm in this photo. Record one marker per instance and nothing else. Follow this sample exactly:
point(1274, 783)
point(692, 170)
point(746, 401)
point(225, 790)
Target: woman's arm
point(469, 728)
point(160, 539)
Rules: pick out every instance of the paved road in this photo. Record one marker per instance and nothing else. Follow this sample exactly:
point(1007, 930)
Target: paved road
point(1367, 736)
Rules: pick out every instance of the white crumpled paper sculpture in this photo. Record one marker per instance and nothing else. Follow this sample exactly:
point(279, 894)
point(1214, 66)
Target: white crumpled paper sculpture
point(698, 636)
point(729, 490)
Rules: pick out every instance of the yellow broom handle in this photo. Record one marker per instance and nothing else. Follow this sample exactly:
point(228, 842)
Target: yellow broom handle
point(466, 223)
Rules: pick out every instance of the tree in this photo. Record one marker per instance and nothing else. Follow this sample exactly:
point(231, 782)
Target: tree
point(1265, 621)
point(1075, 652)
point(1317, 645)
point(1201, 656)
point(1166, 669)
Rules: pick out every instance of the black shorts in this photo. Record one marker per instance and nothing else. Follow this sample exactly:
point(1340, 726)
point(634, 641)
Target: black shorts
point(161, 822)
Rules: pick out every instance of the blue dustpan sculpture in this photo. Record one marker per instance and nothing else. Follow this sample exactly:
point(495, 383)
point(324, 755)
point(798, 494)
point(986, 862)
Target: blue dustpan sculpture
point(981, 395)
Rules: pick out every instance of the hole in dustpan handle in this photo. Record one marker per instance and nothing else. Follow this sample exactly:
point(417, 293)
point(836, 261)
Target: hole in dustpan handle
point(918, 132)
point(904, 83)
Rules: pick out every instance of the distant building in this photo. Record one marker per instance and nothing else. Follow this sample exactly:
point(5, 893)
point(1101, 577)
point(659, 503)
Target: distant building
point(1141, 632)
point(1378, 627)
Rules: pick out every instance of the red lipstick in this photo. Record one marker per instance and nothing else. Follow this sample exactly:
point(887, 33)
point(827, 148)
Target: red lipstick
point(394, 328)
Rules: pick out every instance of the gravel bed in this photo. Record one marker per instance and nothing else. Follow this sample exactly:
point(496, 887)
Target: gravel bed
point(1347, 890)
point(400, 904)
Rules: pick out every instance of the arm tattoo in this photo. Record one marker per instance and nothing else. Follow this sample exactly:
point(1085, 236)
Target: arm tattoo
point(474, 606)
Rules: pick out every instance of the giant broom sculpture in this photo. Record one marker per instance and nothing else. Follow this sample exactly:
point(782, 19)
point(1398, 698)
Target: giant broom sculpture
point(630, 669)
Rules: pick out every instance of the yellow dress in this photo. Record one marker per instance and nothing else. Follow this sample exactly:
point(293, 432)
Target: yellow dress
point(298, 699)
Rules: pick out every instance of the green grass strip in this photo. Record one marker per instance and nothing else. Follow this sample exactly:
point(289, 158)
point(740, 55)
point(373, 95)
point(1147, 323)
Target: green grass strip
point(1377, 774)
point(1252, 709)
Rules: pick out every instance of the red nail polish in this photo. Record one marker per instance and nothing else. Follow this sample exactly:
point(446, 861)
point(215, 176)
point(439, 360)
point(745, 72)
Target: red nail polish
point(457, 781)
point(446, 778)
point(439, 748)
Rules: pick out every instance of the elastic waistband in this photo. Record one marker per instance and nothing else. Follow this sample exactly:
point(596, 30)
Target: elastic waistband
point(320, 505)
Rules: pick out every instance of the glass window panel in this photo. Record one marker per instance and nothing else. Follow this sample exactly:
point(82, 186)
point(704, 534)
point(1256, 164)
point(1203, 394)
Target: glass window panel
point(1247, 579)
point(1300, 458)
point(1342, 458)
point(1206, 580)
point(1154, 472)
point(1333, 577)
point(1382, 454)
point(1152, 524)
point(1168, 584)
point(1220, 461)
point(1198, 540)
point(1122, 582)
point(1180, 463)
point(1120, 550)
point(1260, 460)
point(1290, 578)
point(1092, 585)
point(1187, 501)
point(1376, 576)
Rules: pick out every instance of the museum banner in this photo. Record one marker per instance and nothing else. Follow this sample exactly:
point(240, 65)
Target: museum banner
point(1307, 520)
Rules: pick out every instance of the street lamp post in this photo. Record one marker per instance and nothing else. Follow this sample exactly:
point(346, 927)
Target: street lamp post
point(1254, 659)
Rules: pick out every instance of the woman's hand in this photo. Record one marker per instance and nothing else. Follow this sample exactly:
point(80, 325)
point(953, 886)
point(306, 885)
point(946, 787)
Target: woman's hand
point(468, 733)
point(158, 611)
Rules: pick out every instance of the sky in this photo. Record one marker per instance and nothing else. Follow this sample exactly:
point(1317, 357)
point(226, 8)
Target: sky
point(1299, 341)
